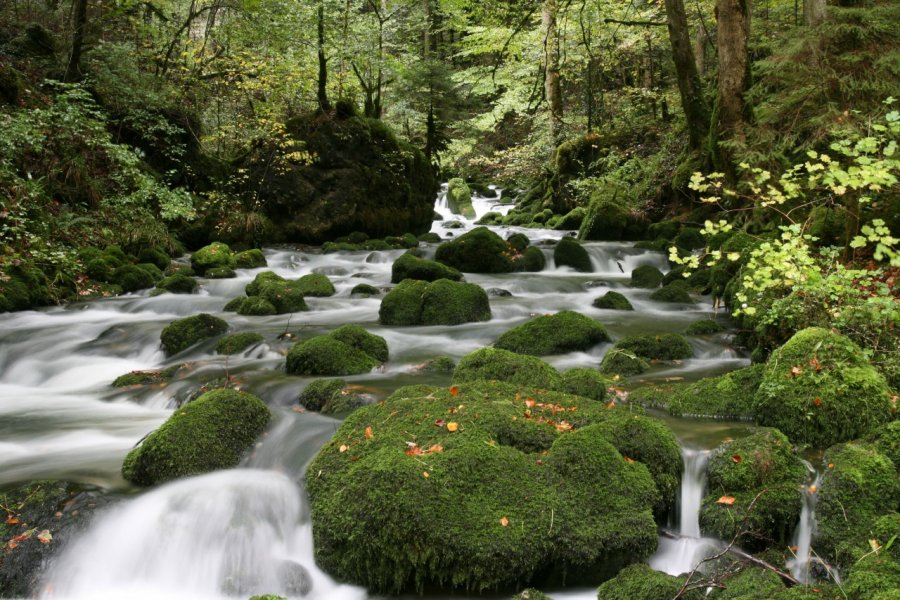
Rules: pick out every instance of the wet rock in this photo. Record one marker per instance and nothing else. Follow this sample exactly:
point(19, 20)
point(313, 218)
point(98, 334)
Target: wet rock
point(646, 276)
point(622, 362)
point(181, 334)
point(238, 342)
point(441, 302)
point(215, 255)
point(250, 259)
point(412, 267)
point(364, 290)
point(498, 293)
point(569, 253)
point(294, 579)
point(565, 331)
point(477, 251)
point(348, 350)
point(612, 301)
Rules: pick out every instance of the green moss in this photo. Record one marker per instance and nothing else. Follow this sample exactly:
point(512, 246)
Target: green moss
point(640, 582)
point(156, 257)
point(178, 284)
point(214, 256)
point(531, 594)
point(234, 305)
point(571, 220)
point(565, 331)
point(254, 306)
point(403, 304)
point(116, 253)
point(666, 230)
point(612, 301)
point(886, 439)
point(669, 346)
point(348, 350)
point(478, 251)
point(285, 296)
point(589, 383)
point(145, 377)
point(209, 433)
point(439, 364)
point(314, 284)
point(476, 514)
point(184, 333)
point(357, 337)
point(605, 220)
point(677, 291)
point(623, 363)
point(689, 238)
point(320, 392)
point(875, 576)
point(238, 342)
point(519, 241)
point(431, 237)
point(569, 253)
point(703, 327)
point(646, 276)
point(820, 389)
point(532, 260)
point(446, 302)
point(409, 266)
point(750, 584)
point(220, 273)
point(132, 278)
point(503, 365)
point(730, 395)
point(255, 287)
point(459, 198)
point(250, 259)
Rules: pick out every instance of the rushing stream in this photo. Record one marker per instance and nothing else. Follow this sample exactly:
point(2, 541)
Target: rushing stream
point(246, 531)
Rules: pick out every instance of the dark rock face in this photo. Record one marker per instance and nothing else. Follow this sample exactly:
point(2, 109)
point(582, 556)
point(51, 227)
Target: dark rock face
point(361, 178)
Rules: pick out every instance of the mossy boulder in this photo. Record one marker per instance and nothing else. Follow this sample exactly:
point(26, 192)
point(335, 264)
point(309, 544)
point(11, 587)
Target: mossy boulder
point(703, 327)
point(153, 377)
point(439, 364)
point(250, 259)
point(689, 238)
point(441, 302)
point(582, 381)
point(459, 198)
point(532, 260)
point(490, 218)
point(470, 506)
point(751, 583)
point(761, 466)
point(612, 301)
point(348, 350)
point(677, 291)
point(364, 290)
point(255, 306)
point(255, 287)
point(886, 439)
point(213, 256)
point(875, 576)
point(220, 273)
point(132, 278)
point(234, 305)
point(668, 346)
point(314, 284)
point(519, 241)
point(571, 220)
point(403, 304)
point(820, 389)
point(569, 253)
point(409, 266)
point(23, 286)
point(859, 485)
point(605, 220)
point(730, 395)
point(331, 397)
point(478, 251)
point(184, 333)
point(646, 276)
point(565, 331)
point(640, 582)
point(502, 365)
point(285, 296)
point(238, 342)
point(178, 284)
point(154, 256)
point(622, 363)
point(207, 434)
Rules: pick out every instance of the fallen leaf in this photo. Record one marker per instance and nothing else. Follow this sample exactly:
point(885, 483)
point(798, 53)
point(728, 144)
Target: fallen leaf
point(611, 404)
point(369, 433)
point(45, 537)
point(874, 545)
point(529, 402)
point(12, 545)
point(439, 423)
point(11, 520)
point(564, 426)
point(454, 391)
point(414, 451)
point(830, 465)
point(452, 426)
point(726, 500)
point(435, 448)
point(504, 521)
point(628, 459)
point(736, 459)
point(817, 402)
point(425, 474)
point(796, 371)
point(815, 364)
point(343, 448)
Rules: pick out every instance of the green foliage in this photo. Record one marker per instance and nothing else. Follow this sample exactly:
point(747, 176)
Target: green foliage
point(565, 331)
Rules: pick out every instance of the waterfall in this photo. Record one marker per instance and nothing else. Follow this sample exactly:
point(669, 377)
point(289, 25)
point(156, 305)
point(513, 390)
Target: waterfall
point(802, 563)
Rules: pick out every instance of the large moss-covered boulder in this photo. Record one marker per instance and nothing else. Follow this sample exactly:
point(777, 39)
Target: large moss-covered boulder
point(621, 362)
point(254, 306)
point(677, 291)
point(612, 301)
point(820, 389)
point(288, 296)
point(409, 266)
point(668, 346)
point(363, 179)
point(348, 350)
point(215, 255)
point(531, 260)
point(502, 365)
point(254, 287)
point(250, 259)
point(457, 488)
point(441, 302)
point(209, 433)
point(646, 276)
point(761, 466)
point(24, 286)
point(178, 283)
point(132, 278)
point(569, 253)
point(605, 219)
point(314, 284)
point(459, 198)
point(565, 331)
point(184, 333)
point(640, 582)
point(725, 396)
point(478, 251)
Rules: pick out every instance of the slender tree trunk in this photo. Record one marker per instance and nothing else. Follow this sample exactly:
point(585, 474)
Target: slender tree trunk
point(342, 70)
point(700, 45)
point(813, 12)
point(322, 91)
point(734, 64)
point(552, 89)
point(73, 69)
point(695, 110)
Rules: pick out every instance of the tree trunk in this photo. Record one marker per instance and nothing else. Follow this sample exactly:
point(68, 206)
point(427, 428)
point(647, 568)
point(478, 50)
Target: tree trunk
point(552, 89)
point(813, 12)
point(700, 44)
point(695, 110)
point(73, 69)
point(734, 64)
point(322, 91)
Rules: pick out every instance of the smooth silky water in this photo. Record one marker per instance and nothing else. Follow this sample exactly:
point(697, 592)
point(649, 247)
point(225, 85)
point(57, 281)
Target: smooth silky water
point(232, 531)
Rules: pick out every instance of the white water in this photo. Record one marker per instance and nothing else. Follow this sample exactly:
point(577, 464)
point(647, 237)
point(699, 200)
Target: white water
point(803, 562)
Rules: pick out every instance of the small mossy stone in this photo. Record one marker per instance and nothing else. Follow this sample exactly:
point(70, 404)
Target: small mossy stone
point(532, 260)
point(612, 301)
point(640, 582)
point(439, 364)
point(478, 251)
point(623, 363)
point(403, 304)
point(446, 302)
point(565, 331)
point(703, 327)
point(132, 278)
point(582, 381)
point(569, 253)
point(234, 305)
point(531, 594)
point(238, 342)
point(215, 255)
point(819, 389)
point(314, 284)
point(519, 241)
point(646, 276)
point(220, 273)
point(255, 306)
point(357, 337)
point(152, 270)
point(320, 392)
point(142, 378)
point(184, 333)
point(490, 218)
point(364, 290)
point(430, 238)
point(207, 434)
point(669, 346)
point(751, 583)
point(325, 355)
point(726, 396)
point(254, 287)
point(117, 253)
point(677, 291)
point(285, 296)
point(156, 257)
point(412, 267)
point(250, 259)
point(571, 220)
point(178, 284)
point(503, 365)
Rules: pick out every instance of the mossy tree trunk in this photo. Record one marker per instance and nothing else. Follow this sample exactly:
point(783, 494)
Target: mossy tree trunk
point(695, 110)
point(73, 69)
point(734, 65)
point(322, 91)
point(813, 12)
point(552, 88)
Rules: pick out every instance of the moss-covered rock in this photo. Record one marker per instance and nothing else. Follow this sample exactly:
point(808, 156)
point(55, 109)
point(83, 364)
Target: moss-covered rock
point(314, 284)
point(605, 220)
point(622, 363)
point(875, 576)
point(761, 466)
point(364, 290)
point(646, 276)
point(254, 306)
point(886, 439)
point(255, 287)
point(730, 395)
point(859, 486)
point(184, 333)
point(565, 331)
point(689, 238)
point(285, 296)
point(348, 350)
point(439, 364)
point(178, 284)
point(459, 198)
point(571, 220)
point(212, 256)
point(750, 584)
point(669, 346)
point(582, 381)
point(677, 291)
point(490, 218)
point(703, 327)
point(820, 389)
point(357, 337)
point(531, 260)
point(156, 257)
point(441, 302)
point(409, 266)
point(209, 433)
point(478, 251)
point(250, 259)
point(519, 241)
point(502, 365)
point(640, 582)
point(238, 342)
point(220, 273)
point(466, 506)
point(234, 305)
point(612, 301)
point(320, 392)
point(153, 377)
point(430, 238)
point(403, 304)
point(569, 253)
point(132, 278)
point(23, 286)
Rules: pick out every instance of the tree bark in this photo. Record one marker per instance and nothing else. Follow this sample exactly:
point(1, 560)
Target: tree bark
point(73, 69)
point(695, 111)
point(734, 64)
point(322, 90)
point(552, 88)
point(813, 12)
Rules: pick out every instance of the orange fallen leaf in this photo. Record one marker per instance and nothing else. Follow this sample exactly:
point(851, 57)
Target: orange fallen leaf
point(736, 459)
point(414, 451)
point(564, 426)
point(45, 537)
point(812, 489)
point(452, 426)
point(343, 448)
point(435, 448)
point(628, 459)
point(815, 364)
point(439, 423)
point(796, 371)
point(529, 402)
point(611, 404)
point(817, 402)
point(369, 433)
point(830, 465)
point(504, 521)
point(726, 500)
point(454, 391)
point(11, 520)
point(12, 545)
point(425, 474)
